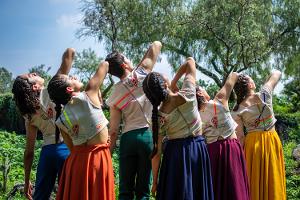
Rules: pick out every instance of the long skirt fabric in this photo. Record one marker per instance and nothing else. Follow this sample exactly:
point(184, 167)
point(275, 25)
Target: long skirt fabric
point(229, 172)
point(185, 172)
point(265, 165)
point(87, 174)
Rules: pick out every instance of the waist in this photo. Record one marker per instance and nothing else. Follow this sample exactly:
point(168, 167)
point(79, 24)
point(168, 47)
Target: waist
point(272, 129)
point(175, 137)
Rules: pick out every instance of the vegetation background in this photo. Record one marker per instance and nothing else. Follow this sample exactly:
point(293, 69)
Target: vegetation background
point(250, 36)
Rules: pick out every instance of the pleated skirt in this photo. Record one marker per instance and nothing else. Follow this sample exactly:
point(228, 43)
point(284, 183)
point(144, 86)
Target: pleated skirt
point(87, 174)
point(185, 172)
point(265, 165)
point(229, 174)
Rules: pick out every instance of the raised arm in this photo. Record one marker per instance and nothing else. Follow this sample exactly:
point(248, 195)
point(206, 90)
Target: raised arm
point(67, 60)
point(224, 93)
point(273, 79)
point(189, 69)
point(92, 88)
point(31, 133)
point(150, 56)
point(240, 130)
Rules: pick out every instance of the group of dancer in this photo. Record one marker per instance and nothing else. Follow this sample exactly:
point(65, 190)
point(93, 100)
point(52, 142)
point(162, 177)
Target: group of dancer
point(181, 142)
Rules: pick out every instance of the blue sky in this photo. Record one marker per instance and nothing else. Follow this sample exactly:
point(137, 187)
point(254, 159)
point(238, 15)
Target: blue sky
point(37, 32)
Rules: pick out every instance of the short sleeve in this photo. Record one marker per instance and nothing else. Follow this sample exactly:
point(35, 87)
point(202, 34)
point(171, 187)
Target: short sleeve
point(188, 90)
point(61, 125)
point(266, 94)
point(111, 99)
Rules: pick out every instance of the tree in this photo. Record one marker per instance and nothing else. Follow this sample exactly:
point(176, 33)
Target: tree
point(5, 80)
point(86, 64)
point(41, 71)
point(223, 36)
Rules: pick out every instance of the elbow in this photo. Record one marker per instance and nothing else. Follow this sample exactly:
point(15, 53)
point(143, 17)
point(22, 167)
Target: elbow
point(70, 50)
point(157, 44)
point(277, 73)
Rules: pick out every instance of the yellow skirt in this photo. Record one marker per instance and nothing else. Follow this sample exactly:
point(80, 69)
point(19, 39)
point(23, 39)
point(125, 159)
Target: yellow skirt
point(265, 165)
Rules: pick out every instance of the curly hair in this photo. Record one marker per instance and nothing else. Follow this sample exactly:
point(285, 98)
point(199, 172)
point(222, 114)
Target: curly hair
point(26, 99)
point(57, 89)
point(115, 60)
point(200, 98)
point(153, 87)
point(241, 89)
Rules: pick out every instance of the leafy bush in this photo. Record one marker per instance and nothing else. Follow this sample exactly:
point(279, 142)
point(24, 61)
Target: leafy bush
point(10, 118)
point(292, 176)
point(11, 158)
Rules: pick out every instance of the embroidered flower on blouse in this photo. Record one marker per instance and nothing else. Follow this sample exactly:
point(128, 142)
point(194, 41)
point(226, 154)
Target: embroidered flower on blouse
point(98, 126)
point(75, 129)
point(214, 121)
point(50, 112)
point(162, 120)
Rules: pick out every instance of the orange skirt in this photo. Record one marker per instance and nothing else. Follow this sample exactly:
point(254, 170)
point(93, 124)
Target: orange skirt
point(87, 174)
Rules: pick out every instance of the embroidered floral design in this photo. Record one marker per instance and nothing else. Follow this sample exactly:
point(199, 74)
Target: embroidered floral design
point(162, 120)
point(50, 112)
point(98, 126)
point(214, 121)
point(75, 129)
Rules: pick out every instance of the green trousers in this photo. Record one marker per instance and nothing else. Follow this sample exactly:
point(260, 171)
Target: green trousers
point(135, 164)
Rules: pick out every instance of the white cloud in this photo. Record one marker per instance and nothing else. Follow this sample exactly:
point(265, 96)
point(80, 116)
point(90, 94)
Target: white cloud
point(69, 21)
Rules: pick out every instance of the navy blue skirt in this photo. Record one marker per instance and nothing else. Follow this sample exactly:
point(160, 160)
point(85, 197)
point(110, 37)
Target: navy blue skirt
point(185, 172)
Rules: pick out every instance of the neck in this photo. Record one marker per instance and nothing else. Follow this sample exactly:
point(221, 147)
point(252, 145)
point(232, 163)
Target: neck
point(126, 73)
point(251, 92)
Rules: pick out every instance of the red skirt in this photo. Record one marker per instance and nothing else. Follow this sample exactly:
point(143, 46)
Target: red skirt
point(87, 174)
point(229, 172)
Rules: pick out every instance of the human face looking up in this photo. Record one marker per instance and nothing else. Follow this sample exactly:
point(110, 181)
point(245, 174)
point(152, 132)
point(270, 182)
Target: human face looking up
point(202, 92)
point(73, 82)
point(35, 79)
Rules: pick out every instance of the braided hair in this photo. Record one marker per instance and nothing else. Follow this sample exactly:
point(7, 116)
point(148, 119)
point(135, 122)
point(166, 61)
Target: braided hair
point(241, 89)
point(115, 60)
point(26, 99)
point(57, 89)
point(153, 87)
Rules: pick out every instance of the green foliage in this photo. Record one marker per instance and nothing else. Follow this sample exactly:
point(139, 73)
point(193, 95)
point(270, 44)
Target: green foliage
point(86, 64)
point(222, 36)
point(292, 177)
point(5, 80)
point(44, 73)
point(11, 149)
point(10, 118)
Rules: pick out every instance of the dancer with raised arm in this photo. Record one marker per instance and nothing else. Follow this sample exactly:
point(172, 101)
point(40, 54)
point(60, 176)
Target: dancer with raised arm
point(32, 100)
point(254, 115)
point(185, 171)
point(128, 103)
point(226, 154)
point(88, 171)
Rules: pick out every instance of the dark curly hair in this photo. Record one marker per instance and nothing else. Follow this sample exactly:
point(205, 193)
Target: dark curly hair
point(115, 60)
point(153, 87)
point(241, 89)
point(26, 99)
point(57, 89)
point(200, 99)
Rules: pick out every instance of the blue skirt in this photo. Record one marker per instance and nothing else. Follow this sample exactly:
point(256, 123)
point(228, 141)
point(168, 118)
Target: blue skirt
point(185, 172)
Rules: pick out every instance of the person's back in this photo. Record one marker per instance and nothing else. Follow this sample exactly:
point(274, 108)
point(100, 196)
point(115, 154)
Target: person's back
point(128, 103)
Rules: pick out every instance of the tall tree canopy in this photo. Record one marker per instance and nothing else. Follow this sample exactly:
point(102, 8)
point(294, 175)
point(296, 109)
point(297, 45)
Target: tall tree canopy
point(223, 36)
point(5, 80)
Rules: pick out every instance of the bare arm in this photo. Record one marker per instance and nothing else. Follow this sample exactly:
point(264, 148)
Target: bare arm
point(114, 124)
point(155, 165)
point(67, 139)
point(67, 60)
point(189, 69)
point(31, 133)
point(151, 56)
point(224, 94)
point(240, 130)
point(273, 79)
point(92, 88)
